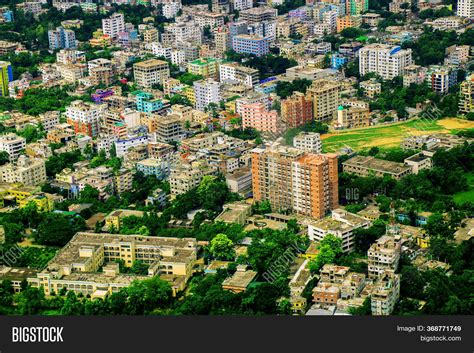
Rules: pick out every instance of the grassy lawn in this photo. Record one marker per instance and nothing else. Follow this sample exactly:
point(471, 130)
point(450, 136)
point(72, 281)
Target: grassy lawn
point(390, 135)
point(468, 195)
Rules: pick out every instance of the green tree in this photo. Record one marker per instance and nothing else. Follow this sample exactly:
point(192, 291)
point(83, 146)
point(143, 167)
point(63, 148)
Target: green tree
point(222, 247)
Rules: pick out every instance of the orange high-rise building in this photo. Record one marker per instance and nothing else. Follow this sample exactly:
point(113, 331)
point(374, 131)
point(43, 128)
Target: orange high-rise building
point(295, 180)
point(296, 110)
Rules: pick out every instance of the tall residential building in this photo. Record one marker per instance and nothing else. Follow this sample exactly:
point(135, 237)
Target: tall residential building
point(295, 180)
point(113, 25)
point(325, 95)
point(61, 38)
point(85, 117)
point(13, 145)
point(297, 110)
point(466, 101)
point(441, 78)
point(149, 72)
point(206, 92)
point(241, 74)
point(206, 67)
point(383, 255)
point(258, 117)
point(222, 41)
point(6, 76)
point(386, 60)
point(26, 171)
point(356, 7)
point(251, 44)
point(466, 8)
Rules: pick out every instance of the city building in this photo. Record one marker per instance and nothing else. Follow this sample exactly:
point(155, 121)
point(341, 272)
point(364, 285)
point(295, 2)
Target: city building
point(185, 177)
point(386, 293)
point(61, 38)
point(325, 95)
point(256, 116)
point(205, 67)
point(113, 25)
point(466, 101)
point(386, 60)
point(465, 8)
point(25, 171)
point(383, 255)
point(296, 110)
point(158, 167)
point(371, 88)
point(13, 145)
point(76, 267)
point(441, 78)
point(85, 117)
point(250, 44)
point(347, 22)
point(352, 117)
point(232, 72)
point(308, 141)
point(206, 92)
point(295, 180)
point(150, 72)
point(368, 165)
point(340, 224)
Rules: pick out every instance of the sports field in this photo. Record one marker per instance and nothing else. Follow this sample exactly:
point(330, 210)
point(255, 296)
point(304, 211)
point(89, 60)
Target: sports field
point(390, 135)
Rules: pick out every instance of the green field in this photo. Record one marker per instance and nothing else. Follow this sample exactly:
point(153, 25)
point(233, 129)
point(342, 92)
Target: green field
point(468, 195)
point(390, 135)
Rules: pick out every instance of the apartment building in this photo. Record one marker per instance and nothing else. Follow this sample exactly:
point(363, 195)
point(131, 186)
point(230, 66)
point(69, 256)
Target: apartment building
point(296, 110)
point(85, 117)
point(386, 60)
point(258, 14)
point(123, 181)
point(386, 293)
point(465, 8)
point(206, 67)
point(160, 168)
point(12, 144)
point(352, 117)
point(466, 101)
point(251, 98)
point(308, 141)
point(383, 255)
point(258, 117)
point(185, 177)
point(61, 38)
point(113, 25)
point(441, 78)
point(25, 171)
point(222, 41)
point(295, 180)
point(76, 267)
point(368, 165)
point(250, 44)
point(326, 95)
point(206, 92)
point(150, 72)
point(340, 224)
point(371, 88)
point(347, 22)
point(232, 72)
point(204, 18)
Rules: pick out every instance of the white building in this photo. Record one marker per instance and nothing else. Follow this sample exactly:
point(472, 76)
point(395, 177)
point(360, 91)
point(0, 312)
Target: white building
point(171, 8)
point(308, 141)
point(206, 92)
point(466, 8)
point(340, 224)
point(161, 51)
point(241, 74)
point(178, 57)
point(113, 25)
point(26, 171)
point(240, 5)
point(13, 145)
point(386, 60)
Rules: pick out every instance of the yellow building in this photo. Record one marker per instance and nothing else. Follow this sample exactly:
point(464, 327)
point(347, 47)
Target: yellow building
point(44, 202)
point(99, 39)
point(189, 93)
point(114, 219)
point(206, 67)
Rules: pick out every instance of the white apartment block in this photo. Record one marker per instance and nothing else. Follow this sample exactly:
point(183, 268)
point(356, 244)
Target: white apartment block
point(210, 19)
point(466, 8)
point(340, 224)
point(186, 32)
point(240, 5)
point(242, 74)
point(171, 8)
point(149, 72)
point(386, 60)
point(159, 50)
point(206, 92)
point(330, 19)
point(113, 25)
point(308, 141)
point(13, 145)
point(85, 117)
point(26, 171)
point(124, 145)
point(178, 57)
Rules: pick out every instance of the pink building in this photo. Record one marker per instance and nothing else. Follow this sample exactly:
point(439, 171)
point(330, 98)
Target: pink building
point(255, 115)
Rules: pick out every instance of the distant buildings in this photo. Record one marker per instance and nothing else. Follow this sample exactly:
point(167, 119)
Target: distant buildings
point(386, 293)
point(13, 145)
point(352, 117)
point(384, 255)
point(256, 116)
point(308, 141)
point(113, 25)
point(367, 165)
point(295, 180)
point(296, 110)
point(85, 117)
point(206, 92)
point(465, 8)
point(386, 60)
point(441, 79)
point(25, 171)
point(466, 101)
point(325, 95)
